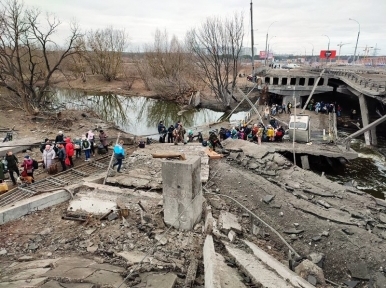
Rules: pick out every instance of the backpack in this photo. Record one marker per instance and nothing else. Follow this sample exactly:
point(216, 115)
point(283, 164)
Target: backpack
point(86, 144)
point(35, 164)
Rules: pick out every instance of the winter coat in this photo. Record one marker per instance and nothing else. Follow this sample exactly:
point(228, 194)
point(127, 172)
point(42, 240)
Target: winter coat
point(79, 143)
point(1, 171)
point(28, 165)
point(103, 138)
point(48, 157)
point(69, 148)
point(270, 132)
point(62, 154)
point(59, 138)
point(83, 145)
point(119, 152)
point(12, 162)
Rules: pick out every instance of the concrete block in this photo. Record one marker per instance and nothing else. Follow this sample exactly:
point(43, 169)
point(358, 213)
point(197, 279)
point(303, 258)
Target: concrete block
point(38, 202)
point(212, 278)
point(305, 163)
point(182, 192)
point(229, 221)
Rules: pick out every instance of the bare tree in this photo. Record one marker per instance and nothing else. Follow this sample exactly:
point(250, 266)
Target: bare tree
point(105, 47)
point(166, 66)
point(216, 47)
point(28, 54)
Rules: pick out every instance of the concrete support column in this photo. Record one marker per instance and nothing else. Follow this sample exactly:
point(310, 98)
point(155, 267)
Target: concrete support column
point(297, 81)
point(280, 81)
point(182, 192)
point(270, 80)
point(325, 81)
point(370, 136)
point(305, 163)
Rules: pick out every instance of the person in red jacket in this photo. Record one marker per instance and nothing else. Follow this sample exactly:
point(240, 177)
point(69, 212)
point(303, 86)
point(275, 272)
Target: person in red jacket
point(69, 152)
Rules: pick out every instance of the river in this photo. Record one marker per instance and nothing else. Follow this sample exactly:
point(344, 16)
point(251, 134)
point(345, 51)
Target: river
point(140, 116)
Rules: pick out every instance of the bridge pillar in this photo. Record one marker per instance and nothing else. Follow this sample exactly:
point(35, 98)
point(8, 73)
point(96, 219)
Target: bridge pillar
point(370, 136)
point(270, 80)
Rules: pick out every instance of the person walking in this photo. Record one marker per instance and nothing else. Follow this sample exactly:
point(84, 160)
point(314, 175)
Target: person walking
point(62, 156)
point(91, 138)
point(12, 166)
point(69, 151)
point(103, 139)
point(119, 154)
point(170, 134)
point(48, 157)
point(86, 147)
point(78, 147)
point(289, 106)
point(28, 165)
point(259, 135)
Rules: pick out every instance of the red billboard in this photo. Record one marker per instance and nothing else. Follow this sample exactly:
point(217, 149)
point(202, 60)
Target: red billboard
point(262, 55)
point(327, 54)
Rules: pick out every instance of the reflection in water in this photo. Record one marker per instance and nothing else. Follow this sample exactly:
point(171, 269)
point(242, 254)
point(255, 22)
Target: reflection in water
point(369, 170)
point(136, 115)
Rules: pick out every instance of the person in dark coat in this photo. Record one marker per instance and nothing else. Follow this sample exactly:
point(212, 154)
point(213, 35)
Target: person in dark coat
point(59, 138)
point(12, 166)
point(1, 172)
point(103, 139)
point(62, 156)
point(161, 127)
point(170, 134)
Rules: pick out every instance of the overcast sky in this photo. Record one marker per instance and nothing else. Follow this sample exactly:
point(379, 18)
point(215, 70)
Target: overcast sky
point(300, 23)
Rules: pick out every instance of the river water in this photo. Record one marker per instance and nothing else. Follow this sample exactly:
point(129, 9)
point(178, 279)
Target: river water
point(141, 115)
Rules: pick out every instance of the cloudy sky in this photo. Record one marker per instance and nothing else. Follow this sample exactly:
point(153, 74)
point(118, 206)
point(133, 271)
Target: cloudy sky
point(299, 27)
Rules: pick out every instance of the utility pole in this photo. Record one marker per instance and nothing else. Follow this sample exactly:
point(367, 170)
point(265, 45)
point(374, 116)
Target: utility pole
point(253, 54)
point(340, 47)
point(359, 31)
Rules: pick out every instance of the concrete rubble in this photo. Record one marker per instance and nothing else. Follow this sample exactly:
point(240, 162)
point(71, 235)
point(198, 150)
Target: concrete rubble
point(121, 232)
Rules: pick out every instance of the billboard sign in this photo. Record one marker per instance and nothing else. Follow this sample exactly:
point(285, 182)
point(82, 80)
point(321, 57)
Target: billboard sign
point(327, 54)
point(262, 55)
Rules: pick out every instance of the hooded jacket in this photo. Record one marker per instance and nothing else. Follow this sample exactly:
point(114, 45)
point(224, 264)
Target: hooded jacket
point(69, 148)
point(12, 161)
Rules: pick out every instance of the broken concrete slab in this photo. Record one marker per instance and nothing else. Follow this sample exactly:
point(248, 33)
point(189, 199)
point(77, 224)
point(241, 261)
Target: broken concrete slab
point(35, 282)
point(318, 192)
point(256, 270)
point(78, 273)
point(351, 284)
point(29, 273)
point(331, 214)
point(380, 202)
point(268, 198)
point(212, 277)
point(382, 217)
point(229, 276)
point(42, 263)
point(232, 236)
point(228, 221)
point(134, 257)
point(359, 270)
point(105, 278)
point(161, 280)
point(276, 266)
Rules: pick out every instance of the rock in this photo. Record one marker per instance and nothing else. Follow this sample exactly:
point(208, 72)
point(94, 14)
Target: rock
point(281, 214)
point(317, 258)
point(253, 166)
point(24, 258)
point(312, 280)
point(296, 224)
point(228, 221)
point(232, 235)
point(325, 233)
point(33, 246)
point(382, 218)
point(234, 155)
point(351, 284)
point(316, 238)
point(348, 231)
point(92, 249)
point(112, 216)
point(358, 270)
point(3, 252)
point(45, 231)
point(209, 222)
point(380, 280)
point(268, 198)
point(293, 231)
point(380, 202)
point(161, 239)
point(255, 230)
point(307, 268)
point(279, 160)
point(324, 204)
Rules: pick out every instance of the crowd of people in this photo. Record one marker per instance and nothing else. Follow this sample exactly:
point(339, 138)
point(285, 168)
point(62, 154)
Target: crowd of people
point(62, 149)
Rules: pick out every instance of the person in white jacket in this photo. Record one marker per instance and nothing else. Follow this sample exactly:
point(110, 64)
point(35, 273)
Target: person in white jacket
point(48, 156)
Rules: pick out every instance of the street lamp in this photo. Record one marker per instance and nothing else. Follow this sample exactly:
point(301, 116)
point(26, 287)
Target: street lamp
point(312, 54)
point(328, 48)
point(266, 43)
point(269, 41)
point(359, 31)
